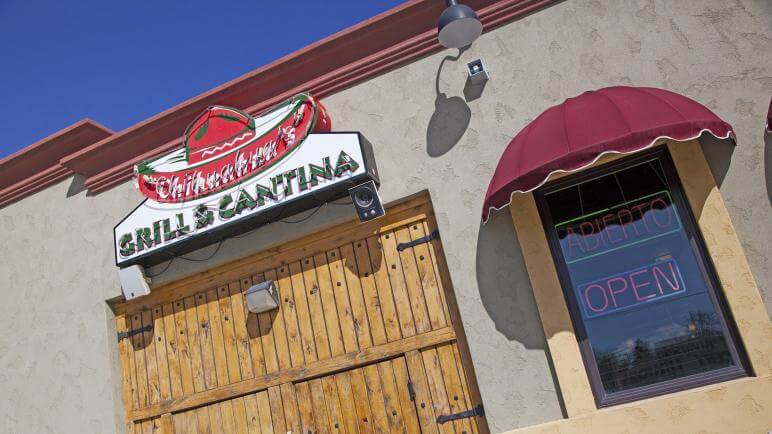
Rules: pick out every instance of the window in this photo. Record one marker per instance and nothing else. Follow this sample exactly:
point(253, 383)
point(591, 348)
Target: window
point(643, 296)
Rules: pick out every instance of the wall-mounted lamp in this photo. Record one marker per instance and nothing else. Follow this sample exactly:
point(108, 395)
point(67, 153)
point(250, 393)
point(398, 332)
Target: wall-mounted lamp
point(262, 297)
point(458, 26)
point(478, 72)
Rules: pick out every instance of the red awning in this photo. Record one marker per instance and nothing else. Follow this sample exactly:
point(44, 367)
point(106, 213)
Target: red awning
point(573, 135)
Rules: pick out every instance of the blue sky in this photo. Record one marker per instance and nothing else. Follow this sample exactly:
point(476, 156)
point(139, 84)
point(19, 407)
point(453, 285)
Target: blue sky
point(121, 62)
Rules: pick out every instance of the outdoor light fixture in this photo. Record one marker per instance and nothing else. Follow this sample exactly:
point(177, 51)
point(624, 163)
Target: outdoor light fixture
point(262, 297)
point(133, 282)
point(459, 26)
point(478, 72)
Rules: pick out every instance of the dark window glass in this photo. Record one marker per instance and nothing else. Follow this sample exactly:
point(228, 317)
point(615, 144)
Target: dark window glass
point(640, 290)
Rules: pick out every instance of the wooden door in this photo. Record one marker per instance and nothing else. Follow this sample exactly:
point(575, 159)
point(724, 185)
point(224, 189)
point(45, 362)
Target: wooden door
point(366, 340)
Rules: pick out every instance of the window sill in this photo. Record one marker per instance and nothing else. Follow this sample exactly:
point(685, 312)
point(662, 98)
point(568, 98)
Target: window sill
point(691, 382)
point(739, 405)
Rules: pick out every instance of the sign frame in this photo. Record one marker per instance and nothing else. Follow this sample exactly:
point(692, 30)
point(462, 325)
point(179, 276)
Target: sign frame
point(257, 219)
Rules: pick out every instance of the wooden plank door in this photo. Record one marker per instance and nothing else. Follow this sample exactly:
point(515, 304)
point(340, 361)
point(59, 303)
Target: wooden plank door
point(366, 339)
point(371, 399)
point(401, 395)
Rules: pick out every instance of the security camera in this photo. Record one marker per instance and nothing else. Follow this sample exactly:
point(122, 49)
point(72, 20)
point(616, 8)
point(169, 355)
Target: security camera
point(367, 201)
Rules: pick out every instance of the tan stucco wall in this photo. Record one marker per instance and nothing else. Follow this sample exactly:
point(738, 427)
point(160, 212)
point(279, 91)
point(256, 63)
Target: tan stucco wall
point(56, 372)
point(58, 364)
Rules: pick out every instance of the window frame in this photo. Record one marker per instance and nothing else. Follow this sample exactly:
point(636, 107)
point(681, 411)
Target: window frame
point(741, 367)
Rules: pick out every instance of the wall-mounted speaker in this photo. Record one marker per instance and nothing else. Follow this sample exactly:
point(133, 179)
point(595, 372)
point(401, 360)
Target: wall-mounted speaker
point(367, 201)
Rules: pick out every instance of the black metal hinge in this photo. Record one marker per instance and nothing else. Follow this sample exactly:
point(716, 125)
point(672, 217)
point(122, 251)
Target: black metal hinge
point(435, 235)
point(130, 333)
point(477, 411)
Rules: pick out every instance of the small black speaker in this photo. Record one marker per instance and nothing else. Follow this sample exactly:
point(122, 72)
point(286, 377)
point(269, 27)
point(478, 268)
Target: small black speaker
point(366, 201)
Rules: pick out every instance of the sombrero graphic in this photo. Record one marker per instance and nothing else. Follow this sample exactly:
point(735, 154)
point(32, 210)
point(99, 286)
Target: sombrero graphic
point(225, 146)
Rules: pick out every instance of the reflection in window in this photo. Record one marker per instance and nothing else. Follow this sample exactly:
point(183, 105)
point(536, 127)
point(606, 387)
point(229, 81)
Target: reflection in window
point(639, 285)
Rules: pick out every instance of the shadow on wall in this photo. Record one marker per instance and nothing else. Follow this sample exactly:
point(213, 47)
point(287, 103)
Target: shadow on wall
point(768, 164)
point(77, 186)
point(503, 282)
point(473, 91)
point(505, 288)
point(450, 118)
point(718, 153)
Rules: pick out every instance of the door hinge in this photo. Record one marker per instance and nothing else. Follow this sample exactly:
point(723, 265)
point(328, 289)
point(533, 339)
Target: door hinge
point(434, 235)
point(130, 333)
point(477, 411)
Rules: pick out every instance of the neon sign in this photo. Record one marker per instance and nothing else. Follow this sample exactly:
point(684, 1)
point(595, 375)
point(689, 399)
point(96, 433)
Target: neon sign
point(225, 146)
point(621, 226)
point(236, 173)
point(632, 288)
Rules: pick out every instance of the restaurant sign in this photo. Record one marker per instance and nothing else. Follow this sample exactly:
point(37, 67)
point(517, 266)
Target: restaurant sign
point(235, 173)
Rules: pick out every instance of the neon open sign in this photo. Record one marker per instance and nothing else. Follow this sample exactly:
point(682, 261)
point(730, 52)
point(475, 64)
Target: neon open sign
point(621, 226)
point(631, 288)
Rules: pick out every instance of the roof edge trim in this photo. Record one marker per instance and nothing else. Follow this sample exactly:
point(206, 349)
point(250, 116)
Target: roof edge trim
point(374, 46)
point(38, 165)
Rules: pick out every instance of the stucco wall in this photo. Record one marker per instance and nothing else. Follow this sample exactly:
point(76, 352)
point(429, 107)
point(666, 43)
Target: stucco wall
point(58, 364)
point(57, 367)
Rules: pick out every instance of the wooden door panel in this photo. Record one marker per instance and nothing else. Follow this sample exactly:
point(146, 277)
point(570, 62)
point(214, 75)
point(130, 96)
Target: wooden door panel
point(138, 347)
point(331, 398)
point(172, 351)
point(389, 262)
point(322, 420)
point(289, 313)
point(186, 422)
point(342, 302)
point(277, 410)
point(421, 391)
point(423, 254)
point(373, 305)
point(290, 404)
point(215, 417)
point(305, 408)
point(362, 400)
point(189, 349)
point(385, 298)
point(239, 319)
point(347, 404)
point(362, 342)
point(406, 393)
point(251, 413)
point(152, 426)
point(303, 313)
point(322, 281)
point(202, 327)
